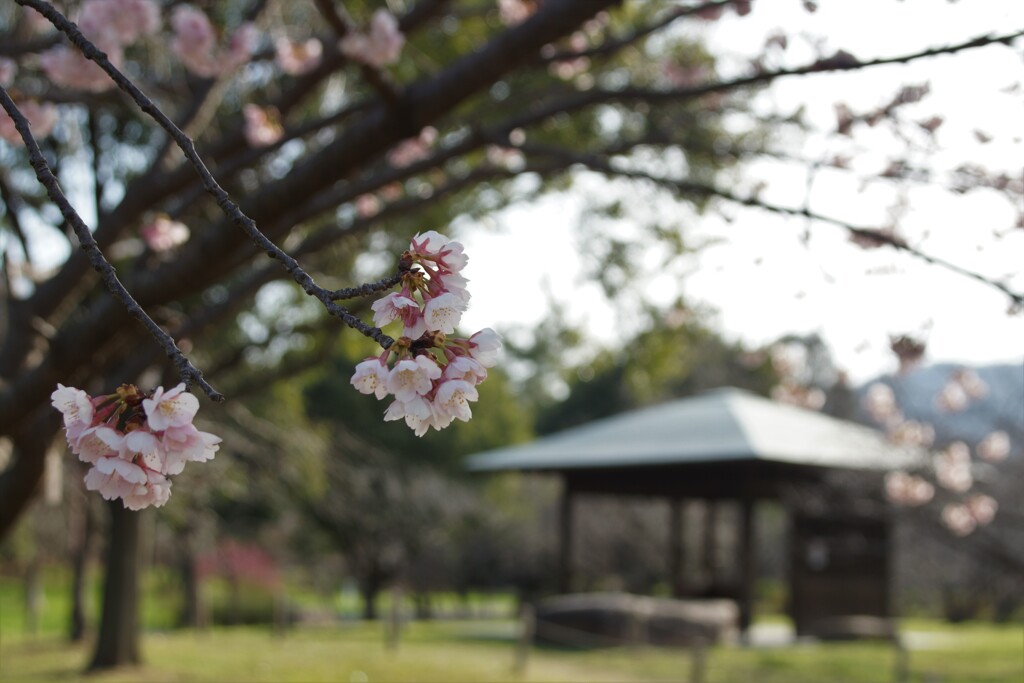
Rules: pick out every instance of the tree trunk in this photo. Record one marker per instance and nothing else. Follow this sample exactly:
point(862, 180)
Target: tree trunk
point(82, 525)
point(33, 594)
point(118, 642)
point(192, 606)
point(369, 588)
point(20, 481)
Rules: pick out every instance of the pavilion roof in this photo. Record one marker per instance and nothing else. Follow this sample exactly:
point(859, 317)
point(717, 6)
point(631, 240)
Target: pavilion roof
point(721, 425)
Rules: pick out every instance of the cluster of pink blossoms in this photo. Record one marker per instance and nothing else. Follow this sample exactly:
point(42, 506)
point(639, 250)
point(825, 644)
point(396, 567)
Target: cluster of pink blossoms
point(134, 442)
point(379, 46)
point(111, 25)
point(195, 43)
point(434, 377)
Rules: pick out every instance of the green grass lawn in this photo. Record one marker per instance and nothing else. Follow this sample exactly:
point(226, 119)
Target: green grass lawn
point(480, 651)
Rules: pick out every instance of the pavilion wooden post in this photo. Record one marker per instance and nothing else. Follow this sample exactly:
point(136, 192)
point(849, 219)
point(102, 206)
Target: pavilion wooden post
point(565, 538)
point(748, 568)
point(709, 556)
point(675, 547)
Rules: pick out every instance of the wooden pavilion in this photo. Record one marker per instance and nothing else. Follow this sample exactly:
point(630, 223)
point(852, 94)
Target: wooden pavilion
point(731, 445)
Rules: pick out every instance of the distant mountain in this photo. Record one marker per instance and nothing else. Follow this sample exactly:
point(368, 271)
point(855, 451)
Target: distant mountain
point(918, 393)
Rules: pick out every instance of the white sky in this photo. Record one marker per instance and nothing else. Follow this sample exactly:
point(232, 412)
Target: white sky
point(763, 281)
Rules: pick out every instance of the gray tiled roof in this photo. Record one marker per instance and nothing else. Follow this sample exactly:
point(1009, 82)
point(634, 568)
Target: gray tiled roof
point(720, 425)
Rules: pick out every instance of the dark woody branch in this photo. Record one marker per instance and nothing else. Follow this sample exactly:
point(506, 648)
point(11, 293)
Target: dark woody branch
point(601, 163)
point(189, 373)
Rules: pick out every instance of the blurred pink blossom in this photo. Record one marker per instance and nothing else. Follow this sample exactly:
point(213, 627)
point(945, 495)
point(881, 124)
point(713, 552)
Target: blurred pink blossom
point(903, 488)
point(367, 205)
point(41, 119)
point(118, 22)
point(69, 68)
point(163, 234)
point(880, 402)
point(380, 46)
point(958, 519)
point(514, 12)
point(296, 58)
point(953, 467)
point(911, 433)
point(953, 398)
point(241, 47)
point(195, 43)
point(194, 40)
point(983, 508)
point(412, 150)
point(262, 125)
point(994, 447)
point(8, 68)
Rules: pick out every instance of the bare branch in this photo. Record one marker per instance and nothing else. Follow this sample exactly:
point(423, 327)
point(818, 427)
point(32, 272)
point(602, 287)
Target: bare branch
point(189, 373)
point(187, 146)
point(601, 164)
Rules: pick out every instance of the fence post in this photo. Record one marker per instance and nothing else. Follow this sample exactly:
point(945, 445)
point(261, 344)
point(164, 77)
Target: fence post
point(394, 625)
point(902, 668)
point(526, 635)
point(698, 660)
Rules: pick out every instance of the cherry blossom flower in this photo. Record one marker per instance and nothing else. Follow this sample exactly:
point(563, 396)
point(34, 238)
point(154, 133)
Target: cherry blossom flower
point(412, 150)
point(371, 377)
point(466, 369)
point(380, 46)
point(69, 68)
point(443, 313)
point(76, 407)
point(982, 508)
point(295, 58)
point(195, 43)
point(188, 444)
point(994, 447)
point(958, 519)
point(432, 388)
point(133, 442)
point(367, 206)
point(907, 489)
point(416, 412)
point(41, 119)
point(155, 491)
point(953, 467)
point(973, 386)
point(115, 478)
point(194, 40)
point(911, 433)
point(98, 442)
point(262, 125)
point(163, 234)
point(411, 378)
point(953, 398)
point(453, 399)
point(484, 347)
point(241, 47)
point(398, 306)
point(174, 408)
point(118, 22)
point(880, 402)
point(514, 12)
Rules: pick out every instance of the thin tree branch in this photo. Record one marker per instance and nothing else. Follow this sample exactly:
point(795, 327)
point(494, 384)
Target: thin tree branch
point(189, 373)
point(224, 201)
point(601, 164)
